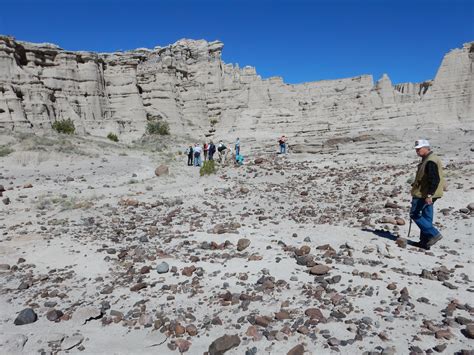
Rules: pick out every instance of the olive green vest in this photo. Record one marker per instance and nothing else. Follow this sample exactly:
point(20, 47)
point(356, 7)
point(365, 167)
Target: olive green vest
point(420, 186)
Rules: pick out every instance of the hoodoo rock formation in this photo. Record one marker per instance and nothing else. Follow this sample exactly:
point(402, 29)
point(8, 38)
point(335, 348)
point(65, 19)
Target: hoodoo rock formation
point(189, 86)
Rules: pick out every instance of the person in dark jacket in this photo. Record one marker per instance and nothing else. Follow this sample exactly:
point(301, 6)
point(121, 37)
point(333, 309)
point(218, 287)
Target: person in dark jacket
point(190, 152)
point(212, 150)
point(426, 189)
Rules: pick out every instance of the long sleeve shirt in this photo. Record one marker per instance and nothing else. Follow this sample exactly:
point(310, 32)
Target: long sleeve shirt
point(433, 177)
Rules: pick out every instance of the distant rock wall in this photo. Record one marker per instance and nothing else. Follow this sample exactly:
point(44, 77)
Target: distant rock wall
point(189, 86)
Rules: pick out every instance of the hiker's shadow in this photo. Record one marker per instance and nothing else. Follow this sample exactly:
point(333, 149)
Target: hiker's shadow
point(387, 235)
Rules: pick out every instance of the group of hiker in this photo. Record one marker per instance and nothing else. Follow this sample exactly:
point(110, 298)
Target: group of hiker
point(198, 154)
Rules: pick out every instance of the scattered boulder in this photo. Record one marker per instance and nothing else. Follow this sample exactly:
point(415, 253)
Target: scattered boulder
point(469, 331)
point(163, 268)
point(138, 286)
point(26, 316)
point(296, 350)
point(242, 244)
point(53, 315)
point(224, 343)
point(319, 270)
point(315, 313)
point(161, 170)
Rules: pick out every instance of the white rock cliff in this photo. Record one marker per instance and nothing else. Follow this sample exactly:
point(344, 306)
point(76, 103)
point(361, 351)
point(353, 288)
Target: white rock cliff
point(189, 86)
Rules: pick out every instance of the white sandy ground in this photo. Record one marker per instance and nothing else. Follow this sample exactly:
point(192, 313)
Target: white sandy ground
point(105, 175)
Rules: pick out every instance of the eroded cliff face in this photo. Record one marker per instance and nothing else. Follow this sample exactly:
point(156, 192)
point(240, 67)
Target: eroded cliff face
point(187, 85)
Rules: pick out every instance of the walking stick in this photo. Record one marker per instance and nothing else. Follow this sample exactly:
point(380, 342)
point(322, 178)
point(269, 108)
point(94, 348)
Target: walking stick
point(409, 229)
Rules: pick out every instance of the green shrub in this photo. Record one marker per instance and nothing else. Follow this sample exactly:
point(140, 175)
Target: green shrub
point(4, 150)
point(112, 137)
point(158, 127)
point(64, 126)
point(207, 168)
point(213, 121)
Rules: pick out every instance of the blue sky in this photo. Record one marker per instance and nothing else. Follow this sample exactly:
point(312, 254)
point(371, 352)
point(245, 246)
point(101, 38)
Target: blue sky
point(299, 40)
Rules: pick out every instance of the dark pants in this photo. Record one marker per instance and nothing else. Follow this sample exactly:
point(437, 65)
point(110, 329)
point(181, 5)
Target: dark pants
point(190, 159)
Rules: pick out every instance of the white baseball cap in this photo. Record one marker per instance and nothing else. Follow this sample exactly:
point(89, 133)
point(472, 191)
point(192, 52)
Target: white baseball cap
point(420, 143)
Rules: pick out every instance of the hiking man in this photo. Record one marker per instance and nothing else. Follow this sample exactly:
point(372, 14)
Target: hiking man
point(426, 189)
point(222, 149)
point(190, 153)
point(212, 150)
point(197, 155)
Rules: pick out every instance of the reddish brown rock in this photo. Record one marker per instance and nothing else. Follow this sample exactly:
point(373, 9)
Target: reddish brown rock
point(242, 244)
point(263, 321)
point(183, 345)
point(179, 329)
point(145, 270)
point(443, 334)
point(191, 330)
point(224, 343)
point(138, 286)
point(400, 221)
point(469, 331)
point(161, 170)
point(297, 350)
point(315, 313)
point(401, 242)
point(319, 270)
point(188, 270)
point(304, 250)
point(282, 315)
